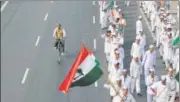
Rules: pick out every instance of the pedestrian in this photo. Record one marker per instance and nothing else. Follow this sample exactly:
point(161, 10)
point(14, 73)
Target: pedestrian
point(139, 26)
point(171, 84)
point(142, 41)
point(149, 61)
point(107, 44)
point(135, 72)
point(112, 28)
point(125, 79)
point(161, 90)
point(136, 49)
point(170, 18)
point(124, 96)
point(113, 86)
point(151, 79)
point(103, 14)
point(122, 23)
point(115, 59)
point(121, 51)
point(168, 51)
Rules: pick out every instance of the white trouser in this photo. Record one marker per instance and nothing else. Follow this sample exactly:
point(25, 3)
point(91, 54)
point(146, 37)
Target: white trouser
point(150, 97)
point(135, 83)
point(146, 73)
point(104, 21)
point(161, 50)
point(107, 56)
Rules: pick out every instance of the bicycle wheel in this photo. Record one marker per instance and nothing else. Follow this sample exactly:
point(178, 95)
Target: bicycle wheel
point(60, 51)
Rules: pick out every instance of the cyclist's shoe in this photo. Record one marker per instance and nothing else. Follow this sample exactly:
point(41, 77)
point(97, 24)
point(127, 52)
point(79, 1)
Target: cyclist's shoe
point(62, 53)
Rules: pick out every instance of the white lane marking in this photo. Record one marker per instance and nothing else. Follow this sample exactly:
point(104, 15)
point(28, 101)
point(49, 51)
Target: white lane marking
point(96, 84)
point(37, 41)
point(46, 16)
point(94, 2)
point(94, 20)
point(4, 5)
point(94, 44)
point(25, 75)
point(52, 1)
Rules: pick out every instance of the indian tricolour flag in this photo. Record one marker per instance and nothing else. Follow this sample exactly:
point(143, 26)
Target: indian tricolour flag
point(84, 72)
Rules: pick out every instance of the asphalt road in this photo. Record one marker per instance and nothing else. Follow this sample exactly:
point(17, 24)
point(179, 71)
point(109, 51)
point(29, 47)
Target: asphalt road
point(24, 25)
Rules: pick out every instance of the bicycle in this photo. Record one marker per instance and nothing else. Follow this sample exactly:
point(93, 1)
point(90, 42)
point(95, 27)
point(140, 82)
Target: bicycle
point(60, 49)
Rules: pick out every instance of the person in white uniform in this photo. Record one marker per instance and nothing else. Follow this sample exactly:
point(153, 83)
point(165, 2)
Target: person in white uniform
point(168, 50)
point(161, 90)
point(151, 79)
point(103, 14)
point(139, 26)
point(136, 49)
point(125, 79)
point(149, 60)
point(135, 72)
point(107, 44)
point(124, 96)
point(121, 51)
point(142, 41)
point(170, 18)
point(115, 59)
point(114, 76)
point(171, 84)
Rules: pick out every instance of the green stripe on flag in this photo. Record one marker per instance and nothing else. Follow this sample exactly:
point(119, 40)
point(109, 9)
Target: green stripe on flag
point(176, 41)
point(90, 78)
point(177, 77)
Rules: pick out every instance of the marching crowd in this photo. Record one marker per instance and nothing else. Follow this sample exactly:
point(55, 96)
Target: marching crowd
point(122, 84)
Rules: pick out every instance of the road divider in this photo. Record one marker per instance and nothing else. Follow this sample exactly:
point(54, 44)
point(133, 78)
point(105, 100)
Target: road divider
point(25, 76)
point(37, 41)
point(4, 5)
point(46, 16)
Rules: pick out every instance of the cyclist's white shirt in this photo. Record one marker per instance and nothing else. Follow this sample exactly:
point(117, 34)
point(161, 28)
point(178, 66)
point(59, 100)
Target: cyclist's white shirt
point(54, 33)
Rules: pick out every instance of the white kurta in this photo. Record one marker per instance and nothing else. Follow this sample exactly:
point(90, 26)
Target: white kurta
point(129, 98)
point(139, 26)
point(150, 81)
point(107, 45)
point(126, 81)
point(149, 60)
point(143, 42)
point(136, 50)
point(112, 62)
point(135, 71)
point(162, 91)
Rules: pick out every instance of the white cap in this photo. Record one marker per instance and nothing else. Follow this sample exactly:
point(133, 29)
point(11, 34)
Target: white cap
point(124, 70)
point(119, 10)
point(170, 69)
point(151, 46)
point(140, 17)
point(152, 70)
point(137, 37)
point(163, 77)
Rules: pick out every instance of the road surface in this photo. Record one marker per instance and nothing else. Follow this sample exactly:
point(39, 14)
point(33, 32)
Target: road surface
point(30, 72)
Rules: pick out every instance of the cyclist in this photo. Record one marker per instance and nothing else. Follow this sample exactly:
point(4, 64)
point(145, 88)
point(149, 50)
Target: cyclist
point(59, 35)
